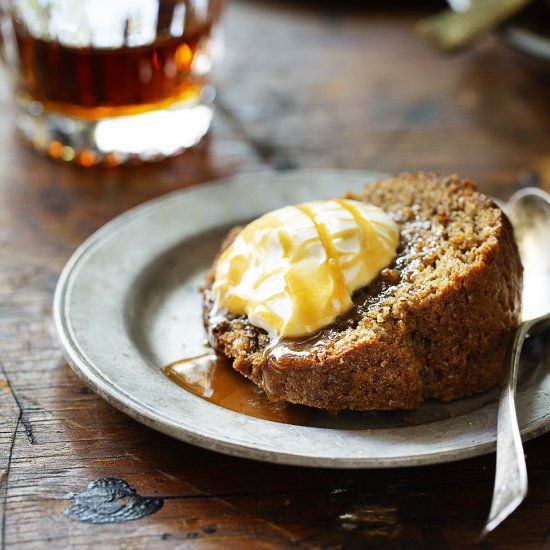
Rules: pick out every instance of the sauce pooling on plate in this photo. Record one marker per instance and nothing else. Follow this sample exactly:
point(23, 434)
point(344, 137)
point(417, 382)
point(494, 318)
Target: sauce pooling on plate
point(212, 378)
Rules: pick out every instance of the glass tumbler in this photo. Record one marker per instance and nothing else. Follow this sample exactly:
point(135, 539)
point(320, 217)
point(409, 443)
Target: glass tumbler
point(111, 81)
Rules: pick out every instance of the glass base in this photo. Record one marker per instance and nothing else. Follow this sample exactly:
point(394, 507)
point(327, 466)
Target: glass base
point(146, 137)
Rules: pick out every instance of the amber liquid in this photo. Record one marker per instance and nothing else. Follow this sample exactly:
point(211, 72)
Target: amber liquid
point(220, 384)
point(97, 83)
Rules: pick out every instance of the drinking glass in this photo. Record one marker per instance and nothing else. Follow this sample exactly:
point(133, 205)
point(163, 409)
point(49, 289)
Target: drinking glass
point(111, 81)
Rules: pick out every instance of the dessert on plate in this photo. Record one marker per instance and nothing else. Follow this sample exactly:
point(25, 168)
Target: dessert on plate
point(404, 291)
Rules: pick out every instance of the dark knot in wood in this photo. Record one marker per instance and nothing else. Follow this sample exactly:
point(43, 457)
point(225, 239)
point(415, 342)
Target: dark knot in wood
point(111, 500)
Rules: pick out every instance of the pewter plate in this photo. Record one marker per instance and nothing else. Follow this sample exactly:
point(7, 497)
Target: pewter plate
point(127, 303)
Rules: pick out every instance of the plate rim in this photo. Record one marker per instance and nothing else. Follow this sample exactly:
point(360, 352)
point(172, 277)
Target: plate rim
point(143, 413)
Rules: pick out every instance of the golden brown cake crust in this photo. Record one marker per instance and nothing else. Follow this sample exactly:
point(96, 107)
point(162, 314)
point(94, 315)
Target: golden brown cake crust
point(434, 324)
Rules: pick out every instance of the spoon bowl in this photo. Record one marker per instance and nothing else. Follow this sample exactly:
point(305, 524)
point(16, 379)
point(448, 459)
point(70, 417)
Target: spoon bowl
point(529, 213)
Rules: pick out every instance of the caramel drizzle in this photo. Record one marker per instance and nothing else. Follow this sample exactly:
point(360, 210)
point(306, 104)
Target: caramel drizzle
point(332, 254)
point(367, 228)
point(359, 220)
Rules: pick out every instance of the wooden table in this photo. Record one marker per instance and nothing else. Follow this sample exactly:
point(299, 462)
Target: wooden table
point(303, 85)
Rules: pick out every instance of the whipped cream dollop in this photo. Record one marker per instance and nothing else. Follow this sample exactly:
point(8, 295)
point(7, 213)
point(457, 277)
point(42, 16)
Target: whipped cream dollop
point(293, 271)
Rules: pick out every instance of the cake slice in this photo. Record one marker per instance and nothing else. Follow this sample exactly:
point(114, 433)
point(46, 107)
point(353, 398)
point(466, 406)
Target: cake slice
point(433, 323)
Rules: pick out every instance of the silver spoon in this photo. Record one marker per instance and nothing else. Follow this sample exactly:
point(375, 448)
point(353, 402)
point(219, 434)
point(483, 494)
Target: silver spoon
point(529, 212)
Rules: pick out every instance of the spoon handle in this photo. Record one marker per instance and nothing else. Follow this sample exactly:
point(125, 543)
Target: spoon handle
point(450, 30)
point(511, 472)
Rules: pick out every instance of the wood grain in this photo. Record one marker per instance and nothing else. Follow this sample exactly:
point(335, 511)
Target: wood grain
point(303, 85)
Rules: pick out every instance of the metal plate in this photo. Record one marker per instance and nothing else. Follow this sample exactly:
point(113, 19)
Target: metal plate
point(127, 304)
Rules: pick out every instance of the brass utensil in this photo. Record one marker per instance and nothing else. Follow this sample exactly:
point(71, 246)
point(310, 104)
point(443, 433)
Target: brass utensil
point(450, 31)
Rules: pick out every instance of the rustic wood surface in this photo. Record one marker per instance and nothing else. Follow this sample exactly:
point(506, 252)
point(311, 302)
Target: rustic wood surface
point(303, 85)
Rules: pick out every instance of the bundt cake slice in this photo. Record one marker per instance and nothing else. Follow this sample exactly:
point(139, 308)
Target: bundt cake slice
point(434, 323)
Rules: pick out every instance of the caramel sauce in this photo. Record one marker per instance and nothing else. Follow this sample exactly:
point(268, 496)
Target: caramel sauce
point(292, 350)
point(211, 377)
point(339, 291)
